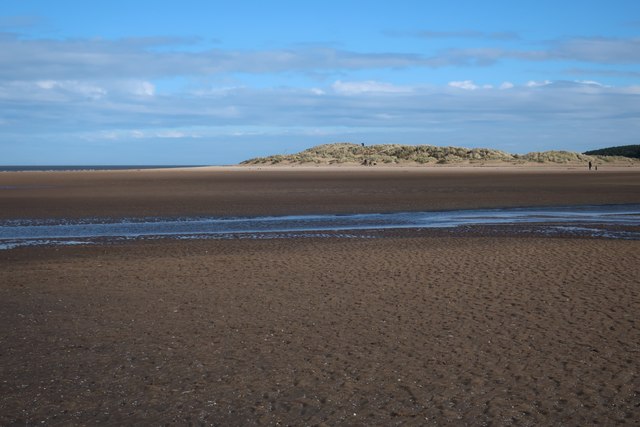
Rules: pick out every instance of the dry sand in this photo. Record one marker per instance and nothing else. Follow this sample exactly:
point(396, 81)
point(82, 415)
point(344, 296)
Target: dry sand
point(412, 327)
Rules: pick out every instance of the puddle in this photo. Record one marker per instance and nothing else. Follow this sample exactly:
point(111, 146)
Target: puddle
point(14, 233)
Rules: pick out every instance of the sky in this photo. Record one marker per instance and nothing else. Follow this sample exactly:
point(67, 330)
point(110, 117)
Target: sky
point(209, 82)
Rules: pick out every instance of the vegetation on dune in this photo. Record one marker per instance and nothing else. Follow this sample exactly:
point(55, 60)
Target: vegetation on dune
point(348, 153)
point(632, 151)
point(556, 157)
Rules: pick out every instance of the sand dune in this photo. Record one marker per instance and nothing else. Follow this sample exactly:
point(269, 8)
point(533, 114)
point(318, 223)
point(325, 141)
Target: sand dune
point(381, 154)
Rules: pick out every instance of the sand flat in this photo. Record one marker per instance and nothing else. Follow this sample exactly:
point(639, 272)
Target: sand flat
point(277, 191)
point(411, 327)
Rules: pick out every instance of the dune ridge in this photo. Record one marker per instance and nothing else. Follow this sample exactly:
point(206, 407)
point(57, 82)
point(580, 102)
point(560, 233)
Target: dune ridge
point(393, 154)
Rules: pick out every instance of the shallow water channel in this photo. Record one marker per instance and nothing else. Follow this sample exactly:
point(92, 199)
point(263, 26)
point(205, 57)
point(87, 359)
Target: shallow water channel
point(608, 218)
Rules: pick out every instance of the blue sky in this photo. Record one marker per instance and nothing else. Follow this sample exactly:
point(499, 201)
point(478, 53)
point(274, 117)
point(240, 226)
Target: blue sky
point(201, 82)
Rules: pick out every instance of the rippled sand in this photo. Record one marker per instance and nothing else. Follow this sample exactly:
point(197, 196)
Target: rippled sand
point(304, 331)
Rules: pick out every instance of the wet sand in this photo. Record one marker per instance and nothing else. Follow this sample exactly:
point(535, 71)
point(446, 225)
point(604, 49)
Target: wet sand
point(276, 191)
point(410, 327)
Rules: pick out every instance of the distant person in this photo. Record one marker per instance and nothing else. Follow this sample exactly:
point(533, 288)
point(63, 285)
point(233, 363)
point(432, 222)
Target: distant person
point(589, 165)
point(596, 167)
point(363, 144)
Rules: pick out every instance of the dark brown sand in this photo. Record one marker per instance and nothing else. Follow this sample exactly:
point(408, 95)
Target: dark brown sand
point(243, 191)
point(410, 328)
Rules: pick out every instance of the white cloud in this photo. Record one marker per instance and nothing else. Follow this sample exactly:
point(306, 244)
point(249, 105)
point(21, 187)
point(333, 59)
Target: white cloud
point(465, 84)
point(103, 134)
point(124, 135)
point(145, 89)
point(351, 103)
point(175, 134)
point(82, 88)
point(93, 89)
point(591, 83)
point(469, 85)
point(369, 86)
point(70, 86)
point(46, 84)
point(533, 83)
point(44, 108)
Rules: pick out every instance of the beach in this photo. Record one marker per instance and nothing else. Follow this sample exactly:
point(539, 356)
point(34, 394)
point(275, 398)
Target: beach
point(253, 191)
point(398, 327)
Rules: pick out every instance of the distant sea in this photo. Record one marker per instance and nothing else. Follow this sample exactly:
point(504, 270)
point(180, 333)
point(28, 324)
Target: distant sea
point(89, 167)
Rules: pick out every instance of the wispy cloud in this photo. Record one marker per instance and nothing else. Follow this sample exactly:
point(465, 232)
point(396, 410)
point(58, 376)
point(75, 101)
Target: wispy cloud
point(540, 115)
point(140, 58)
point(469, 85)
point(468, 34)
point(19, 22)
point(590, 50)
point(149, 58)
point(369, 86)
point(601, 72)
point(341, 104)
point(597, 49)
point(111, 90)
point(459, 34)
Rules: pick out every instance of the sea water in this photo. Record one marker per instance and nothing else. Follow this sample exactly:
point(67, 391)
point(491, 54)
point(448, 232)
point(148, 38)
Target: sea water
point(14, 233)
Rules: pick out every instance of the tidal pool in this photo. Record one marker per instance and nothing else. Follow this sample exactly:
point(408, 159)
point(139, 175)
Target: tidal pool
point(14, 233)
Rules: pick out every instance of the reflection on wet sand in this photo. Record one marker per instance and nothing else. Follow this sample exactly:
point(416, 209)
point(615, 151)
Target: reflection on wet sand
point(557, 219)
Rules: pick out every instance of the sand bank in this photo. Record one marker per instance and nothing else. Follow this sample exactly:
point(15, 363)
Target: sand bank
point(279, 191)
